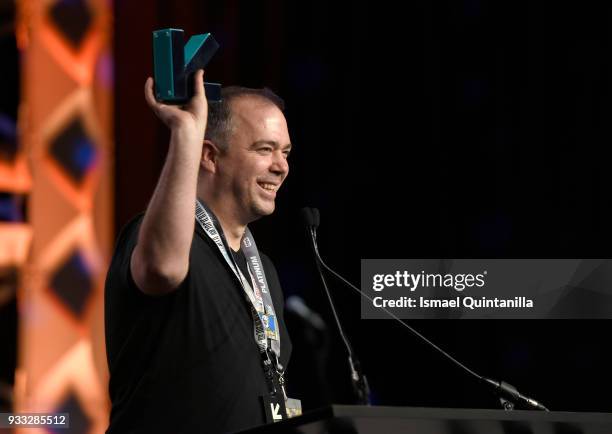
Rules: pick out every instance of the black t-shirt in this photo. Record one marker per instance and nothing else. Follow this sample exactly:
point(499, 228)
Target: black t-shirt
point(241, 261)
point(185, 362)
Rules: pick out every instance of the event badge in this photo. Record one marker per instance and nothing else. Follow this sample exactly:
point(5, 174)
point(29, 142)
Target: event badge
point(270, 326)
point(277, 409)
point(274, 407)
point(294, 407)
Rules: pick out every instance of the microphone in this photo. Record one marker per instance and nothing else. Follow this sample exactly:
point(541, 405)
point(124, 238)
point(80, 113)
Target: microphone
point(316, 217)
point(308, 217)
point(311, 219)
point(296, 305)
point(507, 393)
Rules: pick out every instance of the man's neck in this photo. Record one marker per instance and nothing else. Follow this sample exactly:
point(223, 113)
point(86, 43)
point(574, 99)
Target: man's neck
point(233, 229)
point(233, 233)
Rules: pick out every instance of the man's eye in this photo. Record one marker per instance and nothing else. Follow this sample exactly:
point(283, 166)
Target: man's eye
point(265, 149)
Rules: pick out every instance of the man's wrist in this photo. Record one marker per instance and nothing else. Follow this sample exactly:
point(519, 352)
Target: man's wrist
point(186, 135)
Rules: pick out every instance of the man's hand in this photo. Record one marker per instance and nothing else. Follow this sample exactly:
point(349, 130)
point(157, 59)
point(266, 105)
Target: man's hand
point(191, 118)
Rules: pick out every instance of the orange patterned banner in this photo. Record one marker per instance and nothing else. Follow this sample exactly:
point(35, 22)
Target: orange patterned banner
point(66, 131)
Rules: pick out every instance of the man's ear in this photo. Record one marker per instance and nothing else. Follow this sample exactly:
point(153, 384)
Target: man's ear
point(210, 155)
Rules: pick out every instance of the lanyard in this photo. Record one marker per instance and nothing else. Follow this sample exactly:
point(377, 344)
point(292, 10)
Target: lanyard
point(265, 322)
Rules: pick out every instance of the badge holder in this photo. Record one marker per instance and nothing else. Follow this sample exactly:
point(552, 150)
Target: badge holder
point(277, 406)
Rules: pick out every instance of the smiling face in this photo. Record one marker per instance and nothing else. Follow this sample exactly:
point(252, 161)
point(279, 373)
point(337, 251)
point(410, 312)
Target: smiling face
point(254, 165)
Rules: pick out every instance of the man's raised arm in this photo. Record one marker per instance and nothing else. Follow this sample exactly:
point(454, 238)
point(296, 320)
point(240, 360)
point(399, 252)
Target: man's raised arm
point(160, 260)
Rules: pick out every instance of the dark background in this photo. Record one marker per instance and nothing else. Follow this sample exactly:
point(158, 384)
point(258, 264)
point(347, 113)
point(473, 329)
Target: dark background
point(446, 129)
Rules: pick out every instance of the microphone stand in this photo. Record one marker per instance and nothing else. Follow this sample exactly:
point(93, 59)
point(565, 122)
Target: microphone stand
point(508, 394)
point(358, 378)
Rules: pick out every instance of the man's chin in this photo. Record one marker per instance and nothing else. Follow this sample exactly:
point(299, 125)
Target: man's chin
point(262, 210)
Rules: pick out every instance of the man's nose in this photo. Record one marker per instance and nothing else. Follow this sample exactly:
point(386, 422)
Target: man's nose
point(280, 165)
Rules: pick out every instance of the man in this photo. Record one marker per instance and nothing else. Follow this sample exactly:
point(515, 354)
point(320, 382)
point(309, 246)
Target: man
point(195, 335)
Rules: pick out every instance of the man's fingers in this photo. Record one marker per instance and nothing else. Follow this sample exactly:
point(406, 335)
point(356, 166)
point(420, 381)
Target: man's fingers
point(148, 90)
point(150, 98)
point(198, 83)
point(169, 113)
